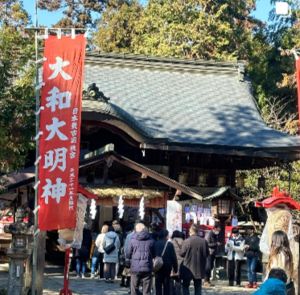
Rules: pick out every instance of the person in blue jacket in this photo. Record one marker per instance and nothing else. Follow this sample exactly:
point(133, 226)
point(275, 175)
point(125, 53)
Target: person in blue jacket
point(275, 284)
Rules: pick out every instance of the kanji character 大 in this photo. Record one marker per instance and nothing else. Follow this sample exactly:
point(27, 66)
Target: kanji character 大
point(58, 69)
point(56, 158)
point(55, 191)
point(60, 99)
point(54, 129)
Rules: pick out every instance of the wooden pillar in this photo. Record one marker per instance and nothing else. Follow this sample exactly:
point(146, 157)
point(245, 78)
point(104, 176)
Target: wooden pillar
point(106, 214)
point(174, 165)
point(40, 262)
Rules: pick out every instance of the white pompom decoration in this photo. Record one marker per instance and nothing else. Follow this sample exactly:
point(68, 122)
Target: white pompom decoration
point(142, 208)
point(121, 207)
point(93, 209)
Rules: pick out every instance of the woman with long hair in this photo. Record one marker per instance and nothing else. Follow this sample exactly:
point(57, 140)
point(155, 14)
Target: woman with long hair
point(281, 257)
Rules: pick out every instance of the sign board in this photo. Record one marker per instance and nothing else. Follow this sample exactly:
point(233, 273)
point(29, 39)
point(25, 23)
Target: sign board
point(174, 216)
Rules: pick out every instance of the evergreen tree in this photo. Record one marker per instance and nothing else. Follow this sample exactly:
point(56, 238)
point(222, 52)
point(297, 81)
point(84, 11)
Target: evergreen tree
point(77, 13)
point(194, 29)
point(16, 87)
point(272, 67)
point(118, 27)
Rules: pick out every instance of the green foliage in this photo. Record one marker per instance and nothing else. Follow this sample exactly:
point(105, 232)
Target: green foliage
point(180, 28)
point(16, 92)
point(271, 66)
point(77, 13)
point(286, 177)
point(118, 27)
point(13, 14)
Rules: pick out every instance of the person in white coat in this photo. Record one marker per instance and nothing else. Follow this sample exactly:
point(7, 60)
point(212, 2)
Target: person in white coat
point(235, 253)
point(99, 246)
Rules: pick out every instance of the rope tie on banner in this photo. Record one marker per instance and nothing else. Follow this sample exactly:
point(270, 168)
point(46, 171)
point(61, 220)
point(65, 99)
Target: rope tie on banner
point(36, 209)
point(58, 33)
point(36, 232)
point(38, 135)
point(39, 110)
point(40, 60)
point(41, 37)
point(45, 36)
point(46, 33)
point(37, 161)
point(40, 85)
point(73, 33)
point(36, 185)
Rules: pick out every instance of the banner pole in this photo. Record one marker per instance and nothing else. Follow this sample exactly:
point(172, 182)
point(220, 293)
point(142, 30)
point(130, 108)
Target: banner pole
point(298, 84)
point(66, 290)
point(37, 106)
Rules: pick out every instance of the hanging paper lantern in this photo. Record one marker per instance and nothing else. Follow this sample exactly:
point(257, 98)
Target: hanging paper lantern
point(142, 208)
point(93, 209)
point(121, 207)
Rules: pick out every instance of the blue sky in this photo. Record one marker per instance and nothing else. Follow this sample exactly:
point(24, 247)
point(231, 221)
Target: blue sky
point(45, 18)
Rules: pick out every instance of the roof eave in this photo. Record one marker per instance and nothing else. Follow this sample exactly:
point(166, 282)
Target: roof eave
point(286, 154)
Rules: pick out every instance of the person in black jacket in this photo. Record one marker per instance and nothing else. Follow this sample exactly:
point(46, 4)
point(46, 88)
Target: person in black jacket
point(162, 277)
point(213, 241)
point(252, 254)
point(194, 252)
point(177, 241)
point(82, 255)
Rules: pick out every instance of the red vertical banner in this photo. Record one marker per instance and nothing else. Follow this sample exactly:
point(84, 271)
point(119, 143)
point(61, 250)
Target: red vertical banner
point(60, 119)
point(298, 86)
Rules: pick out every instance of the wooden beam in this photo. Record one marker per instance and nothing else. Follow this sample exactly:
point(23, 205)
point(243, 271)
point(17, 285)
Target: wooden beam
point(155, 175)
point(126, 179)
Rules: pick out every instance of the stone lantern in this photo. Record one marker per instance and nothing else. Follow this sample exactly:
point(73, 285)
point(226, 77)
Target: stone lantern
point(19, 252)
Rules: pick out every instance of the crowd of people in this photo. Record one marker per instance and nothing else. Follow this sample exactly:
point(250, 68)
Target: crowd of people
point(141, 256)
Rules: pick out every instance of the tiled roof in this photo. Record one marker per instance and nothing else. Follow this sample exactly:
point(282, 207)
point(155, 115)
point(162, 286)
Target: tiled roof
point(195, 103)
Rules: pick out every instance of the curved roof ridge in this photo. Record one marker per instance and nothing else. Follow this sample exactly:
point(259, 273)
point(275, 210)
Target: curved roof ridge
point(113, 110)
point(166, 62)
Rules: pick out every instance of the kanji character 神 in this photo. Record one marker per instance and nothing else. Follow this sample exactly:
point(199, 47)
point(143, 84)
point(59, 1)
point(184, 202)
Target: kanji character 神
point(55, 191)
point(54, 129)
point(56, 158)
point(58, 69)
point(60, 99)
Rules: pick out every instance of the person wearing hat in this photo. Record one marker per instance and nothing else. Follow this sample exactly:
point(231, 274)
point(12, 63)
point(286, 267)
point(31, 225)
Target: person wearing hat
point(235, 253)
